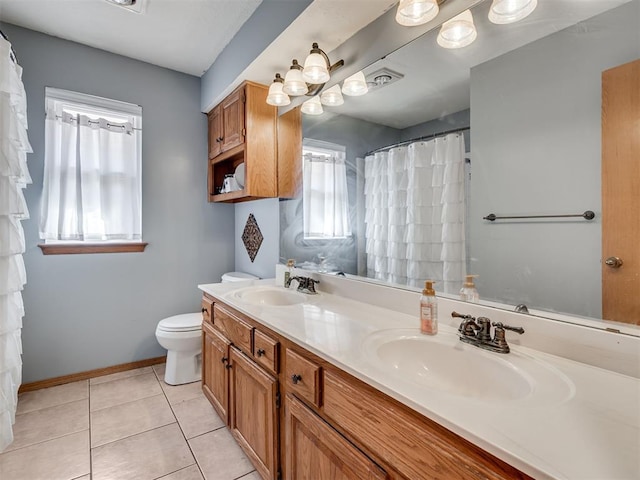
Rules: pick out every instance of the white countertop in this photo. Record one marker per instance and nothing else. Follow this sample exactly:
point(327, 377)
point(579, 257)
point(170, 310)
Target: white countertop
point(591, 432)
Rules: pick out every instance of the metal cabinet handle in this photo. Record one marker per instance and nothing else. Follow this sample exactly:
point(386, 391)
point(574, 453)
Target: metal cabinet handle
point(260, 352)
point(204, 310)
point(225, 359)
point(295, 378)
point(613, 262)
point(228, 366)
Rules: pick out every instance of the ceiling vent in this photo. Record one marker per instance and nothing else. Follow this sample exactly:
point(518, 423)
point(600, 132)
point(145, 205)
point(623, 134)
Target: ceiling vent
point(381, 78)
point(136, 6)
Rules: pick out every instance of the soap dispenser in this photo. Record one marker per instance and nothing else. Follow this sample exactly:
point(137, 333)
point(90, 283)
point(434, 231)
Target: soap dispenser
point(428, 309)
point(468, 292)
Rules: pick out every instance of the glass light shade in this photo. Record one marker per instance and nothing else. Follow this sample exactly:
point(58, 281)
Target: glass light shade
point(294, 83)
point(416, 12)
point(276, 96)
point(315, 69)
point(332, 97)
point(355, 85)
point(312, 106)
point(458, 32)
point(510, 11)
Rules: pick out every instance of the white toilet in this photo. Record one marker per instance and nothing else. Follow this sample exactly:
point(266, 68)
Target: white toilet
point(181, 335)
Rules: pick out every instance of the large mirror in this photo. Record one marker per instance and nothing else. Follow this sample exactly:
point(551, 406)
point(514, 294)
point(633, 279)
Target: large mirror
point(522, 108)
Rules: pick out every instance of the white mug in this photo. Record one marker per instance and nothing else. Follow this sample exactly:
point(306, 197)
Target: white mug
point(230, 184)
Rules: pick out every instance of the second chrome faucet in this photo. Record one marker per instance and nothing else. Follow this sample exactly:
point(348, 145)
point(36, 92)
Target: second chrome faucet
point(478, 332)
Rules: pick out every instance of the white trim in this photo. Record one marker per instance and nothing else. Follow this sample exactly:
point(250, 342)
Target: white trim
point(93, 101)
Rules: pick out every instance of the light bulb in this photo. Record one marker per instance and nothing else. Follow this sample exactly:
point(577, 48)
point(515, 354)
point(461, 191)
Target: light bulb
point(458, 32)
point(293, 81)
point(355, 85)
point(276, 96)
point(315, 67)
point(416, 12)
point(312, 107)
point(332, 97)
point(510, 11)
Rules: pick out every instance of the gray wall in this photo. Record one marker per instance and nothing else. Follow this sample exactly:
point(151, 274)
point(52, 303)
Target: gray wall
point(535, 117)
point(90, 311)
point(266, 215)
point(461, 119)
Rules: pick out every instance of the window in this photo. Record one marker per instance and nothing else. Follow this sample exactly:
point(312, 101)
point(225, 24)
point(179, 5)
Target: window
point(326, 202)
point(92, 188)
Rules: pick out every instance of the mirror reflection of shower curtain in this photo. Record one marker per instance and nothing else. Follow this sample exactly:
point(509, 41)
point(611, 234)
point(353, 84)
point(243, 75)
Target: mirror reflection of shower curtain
point(415, 213)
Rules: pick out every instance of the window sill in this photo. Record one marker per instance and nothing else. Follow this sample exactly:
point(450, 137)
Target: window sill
point(79, 248)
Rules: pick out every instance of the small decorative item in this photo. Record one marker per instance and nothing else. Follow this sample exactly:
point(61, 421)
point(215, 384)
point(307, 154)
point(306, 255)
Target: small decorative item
point(252, 237)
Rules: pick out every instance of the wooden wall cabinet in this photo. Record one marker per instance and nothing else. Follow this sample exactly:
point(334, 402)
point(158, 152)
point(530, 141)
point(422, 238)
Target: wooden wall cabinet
point(333, 426)
point(243, 128)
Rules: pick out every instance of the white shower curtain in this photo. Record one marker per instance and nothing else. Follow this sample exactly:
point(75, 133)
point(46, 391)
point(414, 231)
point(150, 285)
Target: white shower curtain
point(14, 176)
point(415, 213)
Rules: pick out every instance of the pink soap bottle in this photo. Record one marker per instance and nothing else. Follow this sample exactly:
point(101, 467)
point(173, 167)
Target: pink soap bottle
point(428, 309)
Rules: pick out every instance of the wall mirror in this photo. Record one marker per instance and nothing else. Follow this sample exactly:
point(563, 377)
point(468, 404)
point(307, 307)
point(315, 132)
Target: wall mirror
point(523, 106)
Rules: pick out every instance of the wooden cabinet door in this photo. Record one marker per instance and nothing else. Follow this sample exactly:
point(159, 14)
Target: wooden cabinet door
point(233, 120)
point(314, 450)
point(253, 417)
point(215, 374)
point(215, 132)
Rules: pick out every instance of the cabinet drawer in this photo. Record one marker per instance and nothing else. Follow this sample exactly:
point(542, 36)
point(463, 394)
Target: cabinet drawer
point(207, 310)
point(415, 446)
point(302, 377)
point(236, 330)
point(265, 351)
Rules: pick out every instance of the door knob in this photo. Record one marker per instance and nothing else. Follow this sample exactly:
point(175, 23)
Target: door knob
point(613, 262)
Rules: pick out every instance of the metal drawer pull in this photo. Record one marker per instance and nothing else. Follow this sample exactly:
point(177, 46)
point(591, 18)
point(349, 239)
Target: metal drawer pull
point(295, 378)
point(260, 352)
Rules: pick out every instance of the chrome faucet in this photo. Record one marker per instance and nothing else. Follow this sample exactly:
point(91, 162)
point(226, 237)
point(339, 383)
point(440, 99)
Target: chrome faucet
point(478, 332)
point(305, 284)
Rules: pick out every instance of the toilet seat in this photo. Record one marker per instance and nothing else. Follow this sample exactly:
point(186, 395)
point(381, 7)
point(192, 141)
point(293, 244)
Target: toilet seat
point(187, 322)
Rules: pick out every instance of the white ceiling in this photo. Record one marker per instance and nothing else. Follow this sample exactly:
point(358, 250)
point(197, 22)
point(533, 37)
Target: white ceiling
point(183, 35)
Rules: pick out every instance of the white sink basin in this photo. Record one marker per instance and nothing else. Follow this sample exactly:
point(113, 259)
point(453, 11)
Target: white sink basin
point(444, 363)
point(271, 296)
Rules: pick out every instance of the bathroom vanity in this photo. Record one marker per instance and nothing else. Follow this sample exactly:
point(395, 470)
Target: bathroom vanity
point(324, 386)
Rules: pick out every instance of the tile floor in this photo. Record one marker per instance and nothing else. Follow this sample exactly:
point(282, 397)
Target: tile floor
point(129, 425)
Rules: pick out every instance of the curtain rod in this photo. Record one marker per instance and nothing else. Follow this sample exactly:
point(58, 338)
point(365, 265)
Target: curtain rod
point(425, 137)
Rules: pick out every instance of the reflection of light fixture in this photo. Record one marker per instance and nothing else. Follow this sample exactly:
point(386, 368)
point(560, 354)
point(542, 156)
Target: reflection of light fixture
point(355, 85)
point(416, 12)
point(316, 66)
point(276, 96)
point(458, 32)
point(293, 81)
point(509, 11)
point(312, 107)
point(332, 97)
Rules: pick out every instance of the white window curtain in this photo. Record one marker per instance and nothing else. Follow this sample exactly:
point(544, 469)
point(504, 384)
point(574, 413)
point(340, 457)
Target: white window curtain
point(415, 213)
point(14, 176)
point(325, 198)
point(92, 173)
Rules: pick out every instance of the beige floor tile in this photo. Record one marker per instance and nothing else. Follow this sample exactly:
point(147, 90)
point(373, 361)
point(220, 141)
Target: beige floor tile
point(49, 423)
point(84, 477)
point(145, 456)
point(197, 416)
point(180, 393)
point(189, 473)
point(252, 476)
point(52, 396)
point(127, 419)
point(120, 375)
point(159, 369)
point(124, 390)
point(63, 458)
point(219, 456)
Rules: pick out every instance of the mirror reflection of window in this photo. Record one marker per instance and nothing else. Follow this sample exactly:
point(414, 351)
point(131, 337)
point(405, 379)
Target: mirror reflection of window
point(326, 202)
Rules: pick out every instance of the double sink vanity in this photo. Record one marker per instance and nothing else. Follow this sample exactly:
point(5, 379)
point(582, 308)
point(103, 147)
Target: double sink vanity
point(343, 385)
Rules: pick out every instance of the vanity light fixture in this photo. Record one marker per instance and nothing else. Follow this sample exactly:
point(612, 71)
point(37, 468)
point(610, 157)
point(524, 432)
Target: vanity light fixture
point(416, 12)
point(332, 97)
point(355, 85)
point(312, 106)
point(294, 84)
point(510, 11)
point(458, 32)
point(276, 95)
point(317, 66)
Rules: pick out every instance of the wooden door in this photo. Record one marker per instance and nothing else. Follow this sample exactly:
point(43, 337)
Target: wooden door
point(215, 132)
point(215, 374)
point(314, 450)
point(253, 418)
point(233, 120)
point(621, 193)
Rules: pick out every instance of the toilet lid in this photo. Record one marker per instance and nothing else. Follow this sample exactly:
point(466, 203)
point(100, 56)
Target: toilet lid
point(237, 277)
point(181, 323)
